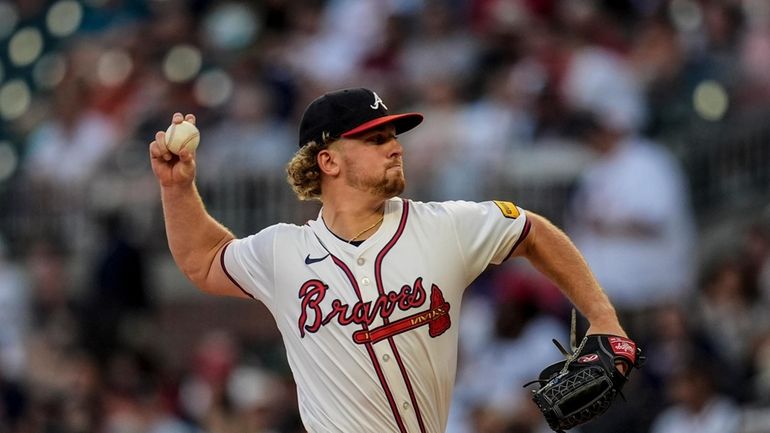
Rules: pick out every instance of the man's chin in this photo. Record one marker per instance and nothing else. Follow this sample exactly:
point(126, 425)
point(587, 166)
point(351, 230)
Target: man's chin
point(393, 188)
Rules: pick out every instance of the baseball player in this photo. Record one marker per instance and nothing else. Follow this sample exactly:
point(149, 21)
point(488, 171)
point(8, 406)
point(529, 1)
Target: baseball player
point(366, 296)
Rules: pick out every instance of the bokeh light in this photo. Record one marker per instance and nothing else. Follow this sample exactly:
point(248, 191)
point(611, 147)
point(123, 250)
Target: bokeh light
point(25, 46)
point(64, 18)
point(9, 160)
point(49, 70)
point(213, 88)
point(114, 67)
point(231, 26)
point(710, 100)
point(15, 99)
point(686, 15)
point(182, 63)
point(8, 18)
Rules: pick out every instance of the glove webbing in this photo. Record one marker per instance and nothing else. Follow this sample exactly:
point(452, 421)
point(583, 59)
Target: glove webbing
point(574, 348)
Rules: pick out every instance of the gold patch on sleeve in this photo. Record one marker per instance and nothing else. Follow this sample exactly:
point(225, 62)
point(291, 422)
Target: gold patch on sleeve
point(508, 209)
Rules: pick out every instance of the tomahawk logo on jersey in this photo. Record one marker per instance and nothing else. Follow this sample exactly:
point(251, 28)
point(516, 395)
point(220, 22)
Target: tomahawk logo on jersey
point(388, 304)
point(313, 316)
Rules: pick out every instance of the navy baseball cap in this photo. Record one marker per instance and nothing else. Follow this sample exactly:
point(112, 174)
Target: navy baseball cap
point(347, 112)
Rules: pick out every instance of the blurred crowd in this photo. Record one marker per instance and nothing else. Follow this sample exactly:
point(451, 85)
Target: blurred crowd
point(587, 108)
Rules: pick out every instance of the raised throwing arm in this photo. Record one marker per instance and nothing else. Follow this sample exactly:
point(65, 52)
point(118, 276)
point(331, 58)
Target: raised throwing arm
point(195, 238)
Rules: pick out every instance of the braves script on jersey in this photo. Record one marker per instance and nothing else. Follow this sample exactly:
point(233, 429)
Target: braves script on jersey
point(370, 331)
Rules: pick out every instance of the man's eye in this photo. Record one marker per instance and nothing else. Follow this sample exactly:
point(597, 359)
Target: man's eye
point(382, 139)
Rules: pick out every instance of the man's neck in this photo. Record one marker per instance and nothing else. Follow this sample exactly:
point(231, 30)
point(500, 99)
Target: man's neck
point(355, 216)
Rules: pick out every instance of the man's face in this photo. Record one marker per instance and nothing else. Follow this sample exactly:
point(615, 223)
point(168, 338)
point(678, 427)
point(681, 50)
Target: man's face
point(373, 162)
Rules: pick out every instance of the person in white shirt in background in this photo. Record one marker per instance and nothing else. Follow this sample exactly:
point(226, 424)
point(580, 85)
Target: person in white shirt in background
point(697, 405)
point(630, 215)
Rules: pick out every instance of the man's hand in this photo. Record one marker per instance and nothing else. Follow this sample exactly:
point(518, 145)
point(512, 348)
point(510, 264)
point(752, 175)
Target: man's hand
point(170, 169)
point(613, 328)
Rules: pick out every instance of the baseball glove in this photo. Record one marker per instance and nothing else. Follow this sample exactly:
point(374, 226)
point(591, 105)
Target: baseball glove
point(584, 385)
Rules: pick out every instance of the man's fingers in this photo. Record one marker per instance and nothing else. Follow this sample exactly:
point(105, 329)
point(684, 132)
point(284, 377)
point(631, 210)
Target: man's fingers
point(159, 150)
point(155, 150)
point(160, 139)
point(186, 155)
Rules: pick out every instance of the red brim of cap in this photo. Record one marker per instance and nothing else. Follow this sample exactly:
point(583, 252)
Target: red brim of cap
point(403, 122)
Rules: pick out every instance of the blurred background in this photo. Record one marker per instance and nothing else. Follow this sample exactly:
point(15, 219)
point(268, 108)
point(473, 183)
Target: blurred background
point(641, 127)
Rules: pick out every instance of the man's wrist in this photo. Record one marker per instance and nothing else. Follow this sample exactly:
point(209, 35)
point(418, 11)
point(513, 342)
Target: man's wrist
point(606, 322)
point(178, 188)
point(607, 328)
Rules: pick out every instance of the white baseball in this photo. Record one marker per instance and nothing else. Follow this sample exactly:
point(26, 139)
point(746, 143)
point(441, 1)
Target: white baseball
point(182, 136)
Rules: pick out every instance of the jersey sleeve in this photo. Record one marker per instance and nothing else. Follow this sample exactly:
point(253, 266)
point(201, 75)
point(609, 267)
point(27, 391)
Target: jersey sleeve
point(249, 263)
point(488, 232)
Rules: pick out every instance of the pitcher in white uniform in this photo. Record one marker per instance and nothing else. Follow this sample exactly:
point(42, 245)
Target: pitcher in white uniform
point(367, 296)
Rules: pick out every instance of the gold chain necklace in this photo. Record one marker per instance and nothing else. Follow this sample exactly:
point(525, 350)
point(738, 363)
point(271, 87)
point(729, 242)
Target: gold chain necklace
point(367, 229)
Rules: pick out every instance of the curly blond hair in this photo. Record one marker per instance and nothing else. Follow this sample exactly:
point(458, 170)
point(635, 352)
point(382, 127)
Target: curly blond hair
point(303, 173)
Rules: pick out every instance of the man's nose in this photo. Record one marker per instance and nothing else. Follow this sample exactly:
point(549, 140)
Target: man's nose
point(396, 149)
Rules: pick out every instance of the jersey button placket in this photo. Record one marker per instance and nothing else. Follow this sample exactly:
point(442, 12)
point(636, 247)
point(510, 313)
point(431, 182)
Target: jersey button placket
point(361, 261)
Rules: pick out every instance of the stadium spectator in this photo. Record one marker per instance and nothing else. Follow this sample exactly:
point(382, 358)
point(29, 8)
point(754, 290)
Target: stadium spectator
point(697, 404)
point(630, 214)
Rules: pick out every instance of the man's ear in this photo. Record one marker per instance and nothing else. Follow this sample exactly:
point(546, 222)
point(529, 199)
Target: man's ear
point(328, 161)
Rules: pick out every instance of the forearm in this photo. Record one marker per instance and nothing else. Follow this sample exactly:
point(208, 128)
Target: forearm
point(554, 254)
point(194, 237)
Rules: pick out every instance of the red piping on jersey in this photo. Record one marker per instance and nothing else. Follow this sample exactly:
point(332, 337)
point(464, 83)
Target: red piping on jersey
point(369, 348)
point(381, 290)
point(522, 236)
point(224, 268)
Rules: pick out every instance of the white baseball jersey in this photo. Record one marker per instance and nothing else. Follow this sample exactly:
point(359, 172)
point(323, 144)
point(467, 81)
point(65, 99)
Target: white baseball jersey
point(370, 331)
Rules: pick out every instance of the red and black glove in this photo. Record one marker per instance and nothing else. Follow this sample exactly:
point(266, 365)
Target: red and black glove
point(583, 386)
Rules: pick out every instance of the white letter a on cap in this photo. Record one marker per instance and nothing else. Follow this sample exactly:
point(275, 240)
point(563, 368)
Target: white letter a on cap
point(378, 102)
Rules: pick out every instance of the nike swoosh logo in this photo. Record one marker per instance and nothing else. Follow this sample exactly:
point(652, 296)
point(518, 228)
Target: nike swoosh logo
point(309, 261)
